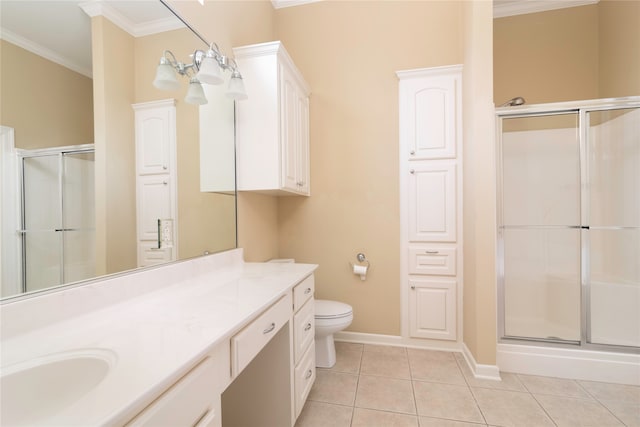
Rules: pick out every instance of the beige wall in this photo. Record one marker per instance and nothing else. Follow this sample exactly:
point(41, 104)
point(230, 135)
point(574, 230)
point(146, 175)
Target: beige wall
point(619, 48)
point(113, 92)
point(47, 104)
point(547, 56)
point(349, 53)
point(585, 52)
point(479, 188)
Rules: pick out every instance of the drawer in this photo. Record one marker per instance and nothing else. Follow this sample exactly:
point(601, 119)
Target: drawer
point(436, 260)
point(187, 402)
point(305, 375)
point(302, 292)
point(248, 342)
point(303, 329)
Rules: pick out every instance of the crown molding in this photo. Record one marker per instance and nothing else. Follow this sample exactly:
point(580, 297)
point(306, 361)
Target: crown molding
point(42, 51)
point(512, 8)
point(98, 8)
point(280, 4)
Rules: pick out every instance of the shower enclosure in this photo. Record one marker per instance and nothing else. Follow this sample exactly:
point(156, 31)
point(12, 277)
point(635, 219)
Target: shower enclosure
point(57, 216)
point(569, 224)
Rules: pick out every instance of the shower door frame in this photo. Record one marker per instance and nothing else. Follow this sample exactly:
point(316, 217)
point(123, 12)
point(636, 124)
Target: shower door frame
point(22, 154)
point(581, 108)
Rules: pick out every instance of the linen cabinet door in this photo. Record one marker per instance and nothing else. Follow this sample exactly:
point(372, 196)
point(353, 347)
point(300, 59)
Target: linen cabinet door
point(432, 202)
point(431, 113)
point(432, 308)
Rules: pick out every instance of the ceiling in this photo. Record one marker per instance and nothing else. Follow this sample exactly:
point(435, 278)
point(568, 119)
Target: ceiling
point(61, 30)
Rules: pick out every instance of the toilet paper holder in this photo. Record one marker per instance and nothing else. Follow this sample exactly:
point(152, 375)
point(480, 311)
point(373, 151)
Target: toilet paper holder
point(360, 269)
point(362, 258)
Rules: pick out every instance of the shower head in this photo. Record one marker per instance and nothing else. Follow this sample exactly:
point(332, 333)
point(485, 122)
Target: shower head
point(518, 100)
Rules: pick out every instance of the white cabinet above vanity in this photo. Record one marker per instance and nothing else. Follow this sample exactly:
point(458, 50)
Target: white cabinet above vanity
point(211, 341)
point(272, 125)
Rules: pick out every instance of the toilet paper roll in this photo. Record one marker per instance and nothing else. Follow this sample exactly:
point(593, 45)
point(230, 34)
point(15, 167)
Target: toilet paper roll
point(360, 269)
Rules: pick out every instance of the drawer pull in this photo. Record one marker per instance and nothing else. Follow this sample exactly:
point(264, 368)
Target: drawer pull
point(309, 373)
point(306, 328)
point(270, 328)
point(431, 252)
point(306, 291)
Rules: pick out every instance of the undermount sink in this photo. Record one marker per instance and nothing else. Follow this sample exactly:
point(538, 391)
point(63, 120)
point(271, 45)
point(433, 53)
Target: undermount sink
point(38, 389)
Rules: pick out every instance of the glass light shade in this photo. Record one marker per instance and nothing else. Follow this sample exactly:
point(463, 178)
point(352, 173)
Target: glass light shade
point(195, 94)
point(236, 88)
point(210, 72)
point(166, 78)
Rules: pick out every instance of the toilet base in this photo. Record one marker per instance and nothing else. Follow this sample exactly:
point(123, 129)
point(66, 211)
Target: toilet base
point(325, 351)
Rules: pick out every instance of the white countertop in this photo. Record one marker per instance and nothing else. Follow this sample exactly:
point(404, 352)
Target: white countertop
point(155, 337)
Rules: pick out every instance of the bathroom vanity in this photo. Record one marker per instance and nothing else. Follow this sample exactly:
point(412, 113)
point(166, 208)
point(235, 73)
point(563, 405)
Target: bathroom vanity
point(210, 341)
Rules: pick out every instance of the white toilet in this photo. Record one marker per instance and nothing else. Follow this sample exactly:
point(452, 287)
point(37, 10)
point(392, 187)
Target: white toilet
point(330, 317)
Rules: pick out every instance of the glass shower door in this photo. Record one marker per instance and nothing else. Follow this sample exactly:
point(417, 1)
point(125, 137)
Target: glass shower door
point(540, 227)
point(613, 216)
point(41, 216)
point(58, 231)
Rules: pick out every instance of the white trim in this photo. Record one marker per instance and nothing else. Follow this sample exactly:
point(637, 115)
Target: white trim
point(396, 341)
point(281, 4)
point(44, 52)
point(580, 364)
point(98, 8)
point(512, 8)
point(11, 265)
point(485, 372)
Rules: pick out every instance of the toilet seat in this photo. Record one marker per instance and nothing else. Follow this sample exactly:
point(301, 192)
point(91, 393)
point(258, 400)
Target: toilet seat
point(325, 309)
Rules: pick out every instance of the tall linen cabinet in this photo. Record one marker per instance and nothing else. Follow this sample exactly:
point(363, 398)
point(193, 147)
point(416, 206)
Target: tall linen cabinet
point(431, 203)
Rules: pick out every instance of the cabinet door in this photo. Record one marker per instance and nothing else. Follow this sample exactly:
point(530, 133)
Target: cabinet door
point(431, 121)
point(432, 308)
point(154, 202)
point(155, 133)
point(294, 134)
point(432, 202)
point(289, 130)
point(303, 175)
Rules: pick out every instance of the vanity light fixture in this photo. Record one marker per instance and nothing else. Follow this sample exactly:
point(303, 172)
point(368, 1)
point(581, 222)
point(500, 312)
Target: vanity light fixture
point(207, 67)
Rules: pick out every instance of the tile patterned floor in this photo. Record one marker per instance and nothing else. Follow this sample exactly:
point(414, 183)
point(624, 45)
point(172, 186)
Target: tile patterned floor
point(380, 386)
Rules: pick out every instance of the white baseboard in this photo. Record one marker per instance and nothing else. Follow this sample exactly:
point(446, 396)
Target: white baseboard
point(485, 372)
point(620, 368)
point(395, 340)
point(489, 372)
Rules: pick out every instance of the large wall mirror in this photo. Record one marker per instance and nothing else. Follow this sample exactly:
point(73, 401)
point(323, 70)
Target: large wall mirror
point(69, 180)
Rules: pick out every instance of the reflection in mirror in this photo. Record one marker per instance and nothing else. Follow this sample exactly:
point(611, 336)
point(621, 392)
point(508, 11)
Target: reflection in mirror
point(68, 143)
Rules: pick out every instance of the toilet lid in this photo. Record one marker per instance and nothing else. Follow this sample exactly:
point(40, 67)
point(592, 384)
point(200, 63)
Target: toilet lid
point(326, 309)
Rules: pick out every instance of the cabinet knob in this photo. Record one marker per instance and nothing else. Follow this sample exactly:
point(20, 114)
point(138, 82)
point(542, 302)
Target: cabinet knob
point(413, 287)
point(306, 328)
point(412, 152)
point(431, 252)
point(412, 171)
point(307, 291)
point(164, 183)
point(164, 167)
point(309, 373)
point(300, 183)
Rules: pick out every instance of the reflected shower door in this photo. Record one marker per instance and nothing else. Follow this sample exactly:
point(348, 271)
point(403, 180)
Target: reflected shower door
point(41, 216)
point(613, 206)
point(58, 229)
point(540, 227)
